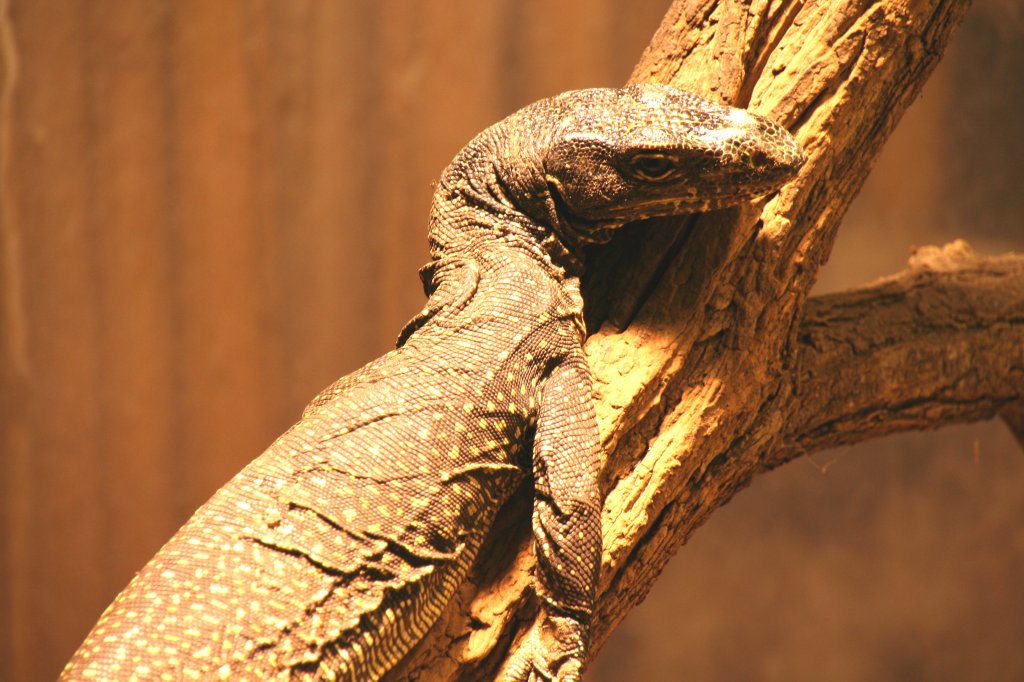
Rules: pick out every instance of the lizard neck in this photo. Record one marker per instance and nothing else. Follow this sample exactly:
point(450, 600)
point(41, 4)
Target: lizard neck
point(495, 194)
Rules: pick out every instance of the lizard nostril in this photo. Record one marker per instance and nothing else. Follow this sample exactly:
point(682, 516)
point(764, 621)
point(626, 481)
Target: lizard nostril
point(759, 159)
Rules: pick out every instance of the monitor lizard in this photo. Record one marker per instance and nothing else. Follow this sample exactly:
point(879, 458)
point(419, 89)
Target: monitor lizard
point(333, 552)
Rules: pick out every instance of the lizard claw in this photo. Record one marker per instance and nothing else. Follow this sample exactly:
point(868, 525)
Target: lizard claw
point(553, 651)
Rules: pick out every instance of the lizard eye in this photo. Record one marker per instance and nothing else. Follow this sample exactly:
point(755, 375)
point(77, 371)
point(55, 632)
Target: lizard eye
point(652, 166)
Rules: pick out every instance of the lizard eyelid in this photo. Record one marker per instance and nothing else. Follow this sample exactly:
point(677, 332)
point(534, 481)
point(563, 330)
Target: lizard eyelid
point(652, 166)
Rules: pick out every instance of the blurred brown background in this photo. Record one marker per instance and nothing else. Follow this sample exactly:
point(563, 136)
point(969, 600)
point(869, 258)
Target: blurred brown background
point(210, 210)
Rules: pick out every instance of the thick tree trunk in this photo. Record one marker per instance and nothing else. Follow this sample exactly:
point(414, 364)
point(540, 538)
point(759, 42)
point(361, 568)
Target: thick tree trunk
point(712, 365)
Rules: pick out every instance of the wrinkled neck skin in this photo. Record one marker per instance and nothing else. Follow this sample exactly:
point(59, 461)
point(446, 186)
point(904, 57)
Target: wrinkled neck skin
point(495, 195)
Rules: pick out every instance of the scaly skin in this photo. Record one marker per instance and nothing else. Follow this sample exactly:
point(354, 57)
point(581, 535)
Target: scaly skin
point(334, 551)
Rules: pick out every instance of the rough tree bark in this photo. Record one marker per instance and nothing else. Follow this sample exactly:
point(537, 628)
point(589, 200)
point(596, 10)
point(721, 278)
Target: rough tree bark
point(712, 362)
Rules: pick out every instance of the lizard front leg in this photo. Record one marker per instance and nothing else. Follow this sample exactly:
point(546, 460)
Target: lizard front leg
point(566, 527)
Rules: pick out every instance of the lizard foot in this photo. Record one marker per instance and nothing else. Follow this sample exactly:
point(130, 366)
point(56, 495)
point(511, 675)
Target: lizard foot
point(553, 651)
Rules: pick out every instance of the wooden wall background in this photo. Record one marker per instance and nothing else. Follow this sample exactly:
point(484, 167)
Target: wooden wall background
point(210, 210)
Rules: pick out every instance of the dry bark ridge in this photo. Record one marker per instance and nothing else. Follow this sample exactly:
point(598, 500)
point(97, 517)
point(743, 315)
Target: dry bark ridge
point(712, 363)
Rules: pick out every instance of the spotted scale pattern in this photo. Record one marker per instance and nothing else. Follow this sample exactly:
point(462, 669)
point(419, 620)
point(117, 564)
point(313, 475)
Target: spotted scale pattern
point(333, 552)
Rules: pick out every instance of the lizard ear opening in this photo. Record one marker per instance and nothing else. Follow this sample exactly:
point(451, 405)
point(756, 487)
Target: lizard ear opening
point(560, 216)
point(573, 229)
point(554, 205)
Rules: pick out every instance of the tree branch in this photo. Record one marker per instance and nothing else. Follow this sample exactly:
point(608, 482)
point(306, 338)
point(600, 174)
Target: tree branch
point(701, 363)
point(940, 343)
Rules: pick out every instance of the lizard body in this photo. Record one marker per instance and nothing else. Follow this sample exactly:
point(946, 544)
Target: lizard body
point(332, 553)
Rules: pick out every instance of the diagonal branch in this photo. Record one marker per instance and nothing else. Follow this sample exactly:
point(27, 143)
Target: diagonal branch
point(695, 372)
point(698, 389)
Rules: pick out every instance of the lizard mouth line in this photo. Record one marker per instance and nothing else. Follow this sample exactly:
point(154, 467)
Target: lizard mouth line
point(694, 201)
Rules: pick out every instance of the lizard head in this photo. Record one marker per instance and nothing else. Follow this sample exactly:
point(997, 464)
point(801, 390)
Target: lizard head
point(569, 169)
point(648, 150)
